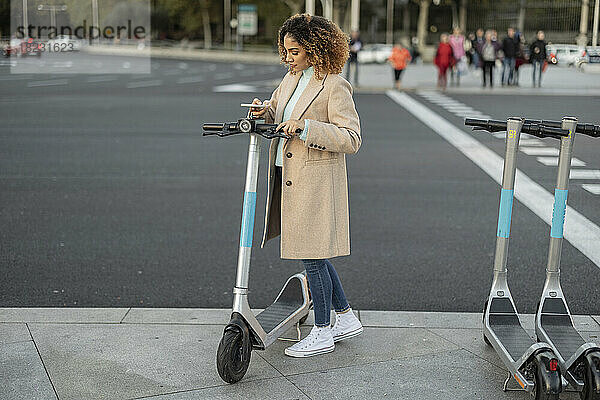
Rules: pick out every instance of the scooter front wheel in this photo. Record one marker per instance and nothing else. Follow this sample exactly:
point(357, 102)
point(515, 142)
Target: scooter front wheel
point(547, 381)
point(233, 355)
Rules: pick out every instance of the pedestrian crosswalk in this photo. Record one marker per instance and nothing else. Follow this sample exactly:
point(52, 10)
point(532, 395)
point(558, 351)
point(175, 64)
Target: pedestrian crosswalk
point(545, 155)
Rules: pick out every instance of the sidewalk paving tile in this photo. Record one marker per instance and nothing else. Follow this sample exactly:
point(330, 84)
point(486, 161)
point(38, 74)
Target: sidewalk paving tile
point(124, 361)
point(597, 318)
point(13, 333)
point(63, 315)
point(374, 344)
point(196, 316)
point(279, 388)
point(418, 319)
point(22, 375)
point(450, 375)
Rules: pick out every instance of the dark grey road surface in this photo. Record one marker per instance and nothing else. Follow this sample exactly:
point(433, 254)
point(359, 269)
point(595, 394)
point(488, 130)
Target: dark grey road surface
point(110, 196)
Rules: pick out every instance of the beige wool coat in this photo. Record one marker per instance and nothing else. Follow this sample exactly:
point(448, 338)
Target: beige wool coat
point(314, 219)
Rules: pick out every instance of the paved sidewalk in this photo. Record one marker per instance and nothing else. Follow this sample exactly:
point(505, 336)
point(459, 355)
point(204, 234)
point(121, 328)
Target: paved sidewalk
point(169, 354)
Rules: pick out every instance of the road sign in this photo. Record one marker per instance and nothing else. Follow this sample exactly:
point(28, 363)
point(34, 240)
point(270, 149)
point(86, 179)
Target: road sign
point(247, 20)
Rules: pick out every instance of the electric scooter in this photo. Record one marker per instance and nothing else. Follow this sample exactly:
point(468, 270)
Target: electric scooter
point(245, 331)
point(533, 365)
point(579, 361)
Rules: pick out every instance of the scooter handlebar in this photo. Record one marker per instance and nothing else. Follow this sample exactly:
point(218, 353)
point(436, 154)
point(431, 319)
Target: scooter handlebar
point(585, 129)
point(222, 129)
point(532, 127)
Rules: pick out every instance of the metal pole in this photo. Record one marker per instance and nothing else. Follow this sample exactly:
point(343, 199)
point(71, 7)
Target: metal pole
point(53, 17)
point(583, 23)
point(595, 28)
point(310, 7)
point(95, 19)
point(521, 23)
point(327, 9)
point(226, 20)
point(25, 20)
point(389, 33)
point(355, 15)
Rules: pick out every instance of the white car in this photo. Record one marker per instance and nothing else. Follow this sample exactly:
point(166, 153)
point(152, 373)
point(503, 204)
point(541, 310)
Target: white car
point(565, 54)
point(375, 53)
point(65, 43)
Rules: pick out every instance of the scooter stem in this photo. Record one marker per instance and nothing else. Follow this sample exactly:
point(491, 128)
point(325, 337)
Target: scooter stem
point(248, 212)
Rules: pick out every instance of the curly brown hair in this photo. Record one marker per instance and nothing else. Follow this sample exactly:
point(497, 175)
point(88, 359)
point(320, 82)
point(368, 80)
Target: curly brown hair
point(325, 44)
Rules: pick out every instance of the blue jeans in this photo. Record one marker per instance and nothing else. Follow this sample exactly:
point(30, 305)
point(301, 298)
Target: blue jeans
point(537, 65)
point(508, 70)
point(325, 288)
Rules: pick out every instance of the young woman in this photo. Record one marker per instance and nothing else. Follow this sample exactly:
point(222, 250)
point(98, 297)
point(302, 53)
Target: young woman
point(307, 201)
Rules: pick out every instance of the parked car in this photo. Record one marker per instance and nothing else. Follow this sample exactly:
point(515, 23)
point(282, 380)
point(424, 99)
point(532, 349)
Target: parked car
point(565, 54)
point(375, 53)
point(64, 43)
point(591, 62)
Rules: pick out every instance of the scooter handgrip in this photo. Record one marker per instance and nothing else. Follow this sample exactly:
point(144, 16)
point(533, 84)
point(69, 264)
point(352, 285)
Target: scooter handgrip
point(588, 129)
point(475, 122)
point(218, 126)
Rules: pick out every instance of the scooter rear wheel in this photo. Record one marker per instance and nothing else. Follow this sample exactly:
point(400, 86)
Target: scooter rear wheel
point(589, 392)
point(232, 362)
point(538, 392)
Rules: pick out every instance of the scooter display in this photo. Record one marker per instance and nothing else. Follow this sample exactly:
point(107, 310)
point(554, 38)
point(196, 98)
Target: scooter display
point(245, 331)
point(533, 365)
point(579, 361)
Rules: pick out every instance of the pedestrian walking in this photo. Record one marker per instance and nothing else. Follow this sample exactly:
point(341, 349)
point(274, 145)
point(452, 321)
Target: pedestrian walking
point(398, 59)
point(457, 42)
point(355, 47)
point(510, 48)
point(443, 60)
point(537, 56)
point(477, 44)
point(489, 54)
point(307, 201)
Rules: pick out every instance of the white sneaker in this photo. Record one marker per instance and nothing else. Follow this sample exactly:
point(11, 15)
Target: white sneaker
point(346, 326)
point(318, 341)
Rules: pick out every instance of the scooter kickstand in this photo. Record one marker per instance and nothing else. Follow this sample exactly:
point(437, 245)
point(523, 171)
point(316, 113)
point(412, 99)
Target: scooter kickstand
point(505, 388)
point(297, 333)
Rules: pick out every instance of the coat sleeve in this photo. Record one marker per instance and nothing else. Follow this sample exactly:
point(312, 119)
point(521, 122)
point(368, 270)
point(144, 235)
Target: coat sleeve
point(270, 114)
point(342, 133)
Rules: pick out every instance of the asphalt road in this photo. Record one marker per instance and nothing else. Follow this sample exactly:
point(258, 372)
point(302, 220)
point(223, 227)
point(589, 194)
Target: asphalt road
point(110, 196)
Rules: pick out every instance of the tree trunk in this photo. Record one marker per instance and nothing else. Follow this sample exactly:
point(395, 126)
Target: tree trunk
point(423, 22)
point(206, 24)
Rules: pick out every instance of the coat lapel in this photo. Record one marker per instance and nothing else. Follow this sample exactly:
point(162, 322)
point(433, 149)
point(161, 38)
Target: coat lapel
point(311, 91)
point(286, 93)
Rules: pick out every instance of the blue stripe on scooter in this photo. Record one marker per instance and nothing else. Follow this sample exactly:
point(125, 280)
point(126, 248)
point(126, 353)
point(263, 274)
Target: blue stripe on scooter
point(248, 219)
point(506, 203)
point(558, 214)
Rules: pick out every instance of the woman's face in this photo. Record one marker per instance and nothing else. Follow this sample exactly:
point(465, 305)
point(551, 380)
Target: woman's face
point(296, 56)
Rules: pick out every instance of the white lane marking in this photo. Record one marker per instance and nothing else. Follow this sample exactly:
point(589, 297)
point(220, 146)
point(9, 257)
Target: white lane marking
point(191, 79)
point(235, 87)
point(584, 174)
point(530, 142)
point(55, 82)
point(98, 79)
point(592, 188)
point(553, 161)
point(141, 84)
point(579, 231)
point(539, 151)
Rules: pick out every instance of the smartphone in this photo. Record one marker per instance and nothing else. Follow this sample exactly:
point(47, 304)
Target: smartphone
point(254, 105)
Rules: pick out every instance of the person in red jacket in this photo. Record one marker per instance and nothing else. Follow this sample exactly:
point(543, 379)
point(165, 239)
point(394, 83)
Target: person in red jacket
point(444, 59)
point(399, 58)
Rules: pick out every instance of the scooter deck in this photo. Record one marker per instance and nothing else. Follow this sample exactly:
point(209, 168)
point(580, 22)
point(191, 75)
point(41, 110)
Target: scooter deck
point(289, 301)
point(275, 314)
point(557, 324)
point(505, 323)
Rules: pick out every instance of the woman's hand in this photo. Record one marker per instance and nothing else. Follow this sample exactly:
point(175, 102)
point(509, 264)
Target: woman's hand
point(290, 126)
point(259, 112)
